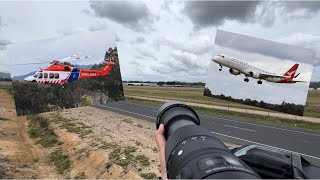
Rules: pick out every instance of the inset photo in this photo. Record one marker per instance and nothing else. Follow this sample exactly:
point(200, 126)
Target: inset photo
point(260, 73)
point(70, 71)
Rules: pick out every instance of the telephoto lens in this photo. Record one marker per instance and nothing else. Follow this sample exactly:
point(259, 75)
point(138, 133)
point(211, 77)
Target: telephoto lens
point(192, 152)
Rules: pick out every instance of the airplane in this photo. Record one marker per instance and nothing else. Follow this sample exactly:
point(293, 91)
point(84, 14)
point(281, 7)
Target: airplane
point(60, 73)
point(238, 67)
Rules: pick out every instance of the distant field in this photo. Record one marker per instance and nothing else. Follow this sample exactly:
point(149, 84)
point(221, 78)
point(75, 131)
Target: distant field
point(196, 95)
point(6, 85)
point(313, 104)
point(183, 94)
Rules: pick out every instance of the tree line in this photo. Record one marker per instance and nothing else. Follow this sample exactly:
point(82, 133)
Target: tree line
point(170, 83)
point(289, 108)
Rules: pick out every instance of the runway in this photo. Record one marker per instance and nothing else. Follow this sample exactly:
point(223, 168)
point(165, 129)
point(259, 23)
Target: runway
point(304, 142)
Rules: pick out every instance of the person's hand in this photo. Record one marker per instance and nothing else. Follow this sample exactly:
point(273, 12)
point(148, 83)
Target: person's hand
point(161, 143)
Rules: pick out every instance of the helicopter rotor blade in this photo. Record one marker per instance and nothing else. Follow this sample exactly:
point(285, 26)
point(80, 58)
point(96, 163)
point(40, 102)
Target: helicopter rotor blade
point(32, 63)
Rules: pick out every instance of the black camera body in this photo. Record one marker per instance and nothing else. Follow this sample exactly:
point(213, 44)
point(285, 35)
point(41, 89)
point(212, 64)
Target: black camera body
point(192, 152)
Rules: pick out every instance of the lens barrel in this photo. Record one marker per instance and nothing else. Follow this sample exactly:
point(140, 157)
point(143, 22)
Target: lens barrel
point(192, 152)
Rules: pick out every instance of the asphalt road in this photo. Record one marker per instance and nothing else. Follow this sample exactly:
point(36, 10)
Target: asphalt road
point(304, 142)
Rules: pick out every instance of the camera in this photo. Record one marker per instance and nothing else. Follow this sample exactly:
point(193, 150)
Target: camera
point(192, 152)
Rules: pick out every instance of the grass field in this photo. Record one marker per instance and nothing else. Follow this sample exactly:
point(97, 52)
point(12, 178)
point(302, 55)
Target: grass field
point(6, 85)
point(196, 95)
point(313, 104)
point(183, 94)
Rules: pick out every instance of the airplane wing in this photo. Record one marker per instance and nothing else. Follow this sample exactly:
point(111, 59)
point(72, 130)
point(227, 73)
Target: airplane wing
point(265, 76)
point(299, 81)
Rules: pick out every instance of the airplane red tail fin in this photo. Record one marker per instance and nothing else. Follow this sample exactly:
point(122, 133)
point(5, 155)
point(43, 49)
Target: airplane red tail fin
point(292, 71)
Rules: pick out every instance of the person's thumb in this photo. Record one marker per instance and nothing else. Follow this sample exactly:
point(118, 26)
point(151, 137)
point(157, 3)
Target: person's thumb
point(161, 129)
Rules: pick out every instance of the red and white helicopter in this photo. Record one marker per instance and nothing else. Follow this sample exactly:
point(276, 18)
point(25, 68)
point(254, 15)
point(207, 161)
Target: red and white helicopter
point(60, 73)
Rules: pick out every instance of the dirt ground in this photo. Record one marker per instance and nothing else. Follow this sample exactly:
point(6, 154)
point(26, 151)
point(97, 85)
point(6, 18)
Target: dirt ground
point(19, 157)
point(100, 144)
point(90, 151)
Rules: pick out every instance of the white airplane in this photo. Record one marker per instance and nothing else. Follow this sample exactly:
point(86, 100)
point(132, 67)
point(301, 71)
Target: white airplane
point(238, 67)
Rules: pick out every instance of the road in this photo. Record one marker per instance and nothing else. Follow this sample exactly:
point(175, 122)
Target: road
point(304, 142)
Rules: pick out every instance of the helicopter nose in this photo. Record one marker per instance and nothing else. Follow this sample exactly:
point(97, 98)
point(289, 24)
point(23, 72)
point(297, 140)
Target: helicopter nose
point(29, 78)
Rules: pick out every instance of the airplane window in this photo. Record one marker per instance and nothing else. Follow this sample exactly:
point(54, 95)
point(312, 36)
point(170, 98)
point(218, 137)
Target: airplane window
point(56, 75)
point(222, 56)
point(51, 75)
point(45, 75)
point(40, 75)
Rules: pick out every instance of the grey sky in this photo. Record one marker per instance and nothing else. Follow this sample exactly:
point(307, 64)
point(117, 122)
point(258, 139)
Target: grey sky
point(234, 86)
point(161, 40)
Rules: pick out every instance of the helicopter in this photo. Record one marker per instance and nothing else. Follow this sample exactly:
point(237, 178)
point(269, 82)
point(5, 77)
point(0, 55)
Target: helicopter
point(60, 73)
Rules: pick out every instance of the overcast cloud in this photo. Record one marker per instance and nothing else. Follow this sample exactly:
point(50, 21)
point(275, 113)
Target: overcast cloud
point(207, 13)
point(133, 14)
point(162, 40)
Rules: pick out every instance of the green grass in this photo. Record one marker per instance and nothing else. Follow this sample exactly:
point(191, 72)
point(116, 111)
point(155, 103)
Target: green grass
point(148, 176)
point(71, 126)
point(38, 129)
point(106, 145)
point(61, 161)
point(143, 160)
point(122, 156)
point(80, 176)
point(240, 116)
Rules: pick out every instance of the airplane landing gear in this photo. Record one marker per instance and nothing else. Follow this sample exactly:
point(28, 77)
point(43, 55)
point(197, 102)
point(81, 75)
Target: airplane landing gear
point(246, 79)
point(259, 82)
point(220, 68)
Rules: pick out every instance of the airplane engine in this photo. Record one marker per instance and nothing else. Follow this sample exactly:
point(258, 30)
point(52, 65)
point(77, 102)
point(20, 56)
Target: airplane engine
point(234, 72)
point(254, 75)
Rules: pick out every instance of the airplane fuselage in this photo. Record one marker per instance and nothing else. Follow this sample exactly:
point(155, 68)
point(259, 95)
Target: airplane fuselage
point(238, 67)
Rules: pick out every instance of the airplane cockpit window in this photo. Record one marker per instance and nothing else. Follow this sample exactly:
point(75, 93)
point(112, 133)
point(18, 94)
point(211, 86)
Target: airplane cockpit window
point(56, 75)
point(222, 56)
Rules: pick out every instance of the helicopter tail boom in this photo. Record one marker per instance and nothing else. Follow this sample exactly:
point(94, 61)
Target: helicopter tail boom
point(96, 73)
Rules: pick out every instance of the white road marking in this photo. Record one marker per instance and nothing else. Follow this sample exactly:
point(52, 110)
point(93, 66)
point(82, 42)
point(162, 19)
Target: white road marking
point(239, 121)
point(265, 145)
point(127, 111)
point(240, 128)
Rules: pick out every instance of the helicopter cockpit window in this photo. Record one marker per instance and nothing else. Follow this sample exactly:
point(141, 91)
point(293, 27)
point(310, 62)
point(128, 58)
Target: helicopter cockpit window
point(45, 75)
point(51, 75)
point(40, 75)
point(35, 76)
point(56, 75)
